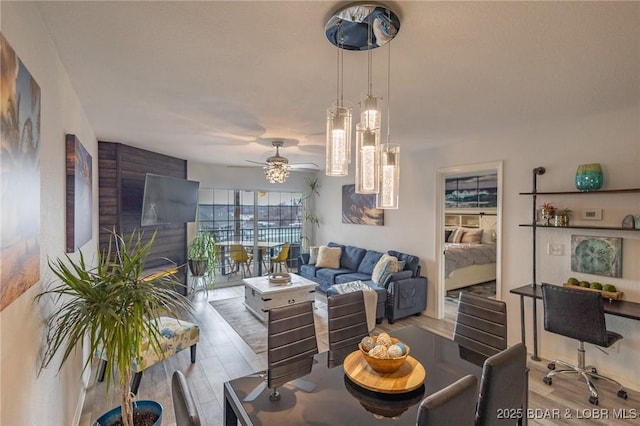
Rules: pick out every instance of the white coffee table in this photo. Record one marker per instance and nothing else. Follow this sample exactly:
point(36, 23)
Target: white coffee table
point(260, 296)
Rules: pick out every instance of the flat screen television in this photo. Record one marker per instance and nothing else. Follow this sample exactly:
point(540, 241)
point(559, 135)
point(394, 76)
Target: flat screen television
point(169, 200)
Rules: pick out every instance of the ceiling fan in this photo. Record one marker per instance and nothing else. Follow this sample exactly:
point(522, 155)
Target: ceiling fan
point(275, 159)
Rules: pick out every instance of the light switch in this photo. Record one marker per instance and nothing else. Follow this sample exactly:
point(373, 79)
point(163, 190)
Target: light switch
point(555, 249)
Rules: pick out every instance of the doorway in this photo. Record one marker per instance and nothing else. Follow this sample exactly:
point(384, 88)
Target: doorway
point(468, 233)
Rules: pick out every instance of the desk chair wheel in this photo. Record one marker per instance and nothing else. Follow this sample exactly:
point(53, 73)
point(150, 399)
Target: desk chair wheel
point(547, 380)
point(551, 366)
point(622, 394)
point(593, 400)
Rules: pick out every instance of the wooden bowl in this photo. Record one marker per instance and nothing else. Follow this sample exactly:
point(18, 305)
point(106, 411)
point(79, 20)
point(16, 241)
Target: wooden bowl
point(385, 365)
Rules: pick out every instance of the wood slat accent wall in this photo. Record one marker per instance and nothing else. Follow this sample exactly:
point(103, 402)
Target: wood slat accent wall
point(121, 175)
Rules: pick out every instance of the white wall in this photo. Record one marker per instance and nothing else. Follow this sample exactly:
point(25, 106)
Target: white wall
point(613, 139)
point(48, 398)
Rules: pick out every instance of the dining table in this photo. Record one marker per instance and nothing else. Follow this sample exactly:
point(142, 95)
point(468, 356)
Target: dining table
point(249, 243)
point(336, 399)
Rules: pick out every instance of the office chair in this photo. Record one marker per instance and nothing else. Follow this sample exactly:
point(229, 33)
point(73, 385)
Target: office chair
point(481, 327)
point(453, 405)
point(281, 259)
point(347, 322)
point(503, 386)
point(183, 403)
point(578, 314)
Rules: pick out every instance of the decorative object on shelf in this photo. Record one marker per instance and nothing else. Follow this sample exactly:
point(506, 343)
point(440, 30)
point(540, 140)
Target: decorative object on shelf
point(547, 211)
point(629, 222)
point(561, 218)
point(637, 220)
point(597, 255)
point(589, 177)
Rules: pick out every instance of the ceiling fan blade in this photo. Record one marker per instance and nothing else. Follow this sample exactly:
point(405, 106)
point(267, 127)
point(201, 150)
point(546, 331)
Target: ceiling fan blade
point(260, 163)
point(310, 166)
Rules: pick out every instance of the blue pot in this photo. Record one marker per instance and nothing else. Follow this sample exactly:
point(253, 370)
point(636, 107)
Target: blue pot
point(111, 416)
point(589, 177)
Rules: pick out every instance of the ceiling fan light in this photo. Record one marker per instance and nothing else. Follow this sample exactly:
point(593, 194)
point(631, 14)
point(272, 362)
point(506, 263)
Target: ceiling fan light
point(277, 171)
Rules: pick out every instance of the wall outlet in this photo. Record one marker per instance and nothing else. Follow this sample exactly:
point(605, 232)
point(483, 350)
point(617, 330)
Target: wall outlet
point(555, 249)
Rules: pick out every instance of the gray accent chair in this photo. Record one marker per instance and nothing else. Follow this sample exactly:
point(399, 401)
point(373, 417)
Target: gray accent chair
point(453, 405)
point(183, 404)
point(481, 327)
point(578, 314)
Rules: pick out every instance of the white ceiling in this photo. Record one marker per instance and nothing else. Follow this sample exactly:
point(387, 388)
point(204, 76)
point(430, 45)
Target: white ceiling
point(216, 81)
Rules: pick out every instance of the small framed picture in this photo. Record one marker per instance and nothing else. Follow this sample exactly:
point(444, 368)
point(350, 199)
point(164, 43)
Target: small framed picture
point(591, 214)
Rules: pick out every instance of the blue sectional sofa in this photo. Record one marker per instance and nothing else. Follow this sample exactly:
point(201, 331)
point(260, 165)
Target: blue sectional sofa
point(403, 293)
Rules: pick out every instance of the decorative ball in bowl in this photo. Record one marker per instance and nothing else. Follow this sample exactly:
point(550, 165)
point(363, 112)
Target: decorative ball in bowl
point(383, 353)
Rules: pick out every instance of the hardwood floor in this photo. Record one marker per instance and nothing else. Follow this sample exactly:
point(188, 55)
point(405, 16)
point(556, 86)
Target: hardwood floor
point(223, 355)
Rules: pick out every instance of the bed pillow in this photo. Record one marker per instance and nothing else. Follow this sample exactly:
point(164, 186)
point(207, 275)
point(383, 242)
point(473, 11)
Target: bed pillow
point(328, 257)
point(387, 265)
point(447, 234)
point(313, 255)
point(472, 236)
point(456, 235)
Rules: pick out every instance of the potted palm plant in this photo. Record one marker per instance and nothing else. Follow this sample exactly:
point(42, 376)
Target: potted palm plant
point(202, 254)
point(112, 305)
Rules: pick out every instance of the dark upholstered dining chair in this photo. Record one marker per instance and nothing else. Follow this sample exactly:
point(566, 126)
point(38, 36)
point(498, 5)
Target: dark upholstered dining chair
point(291, 345)
point(183, 404)
point(578, 314)
point(503, 386)
point(453, 405)
point(347, 322)
point(481, 327)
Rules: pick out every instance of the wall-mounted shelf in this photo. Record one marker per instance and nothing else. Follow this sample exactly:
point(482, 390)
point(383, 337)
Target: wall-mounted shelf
point(608, 228)
point(605, 191)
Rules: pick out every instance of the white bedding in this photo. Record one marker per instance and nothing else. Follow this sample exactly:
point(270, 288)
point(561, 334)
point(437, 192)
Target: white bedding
point(468, 264)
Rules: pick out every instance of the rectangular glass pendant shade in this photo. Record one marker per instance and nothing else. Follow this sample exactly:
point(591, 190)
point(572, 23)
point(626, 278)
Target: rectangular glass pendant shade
point(370, 115)
point(387, 197)
point(338, 154)
point(367, 160)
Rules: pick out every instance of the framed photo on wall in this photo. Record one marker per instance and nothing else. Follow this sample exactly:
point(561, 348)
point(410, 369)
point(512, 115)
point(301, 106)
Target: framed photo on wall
point(79, 194)
point(360, 209)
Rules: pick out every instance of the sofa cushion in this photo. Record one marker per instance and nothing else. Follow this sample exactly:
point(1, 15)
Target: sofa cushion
point(369, 262)
point(412, 262)
point(329, 257)
point(385, 266)
point(328, 275)
point(355, 276)
point(307, 271)
point(396, 276)
point(351, 257)
point(313, 255)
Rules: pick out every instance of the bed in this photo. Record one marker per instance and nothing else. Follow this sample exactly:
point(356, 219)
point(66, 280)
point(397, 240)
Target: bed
point(468, 264)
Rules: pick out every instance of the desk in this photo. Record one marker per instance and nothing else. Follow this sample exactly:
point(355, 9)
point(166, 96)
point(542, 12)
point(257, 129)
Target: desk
point(248, 243)
point(621, 308)
point(338, 401)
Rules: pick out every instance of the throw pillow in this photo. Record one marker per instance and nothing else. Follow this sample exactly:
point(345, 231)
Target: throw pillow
point(473, 236)
point(313, 255)
point(328, 257)
point(386, 265)
point(456, 235)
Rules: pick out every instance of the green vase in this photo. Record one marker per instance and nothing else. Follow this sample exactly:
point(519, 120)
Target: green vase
point(589, 177)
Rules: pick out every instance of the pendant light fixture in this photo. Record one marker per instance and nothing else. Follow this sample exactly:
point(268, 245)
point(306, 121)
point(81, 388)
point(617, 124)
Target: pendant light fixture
point(338, 154)
point(388, 196)
point(368, 130)
point(361, 26)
